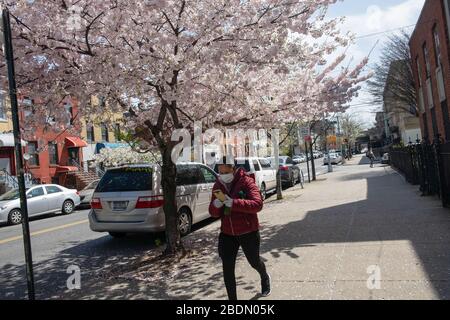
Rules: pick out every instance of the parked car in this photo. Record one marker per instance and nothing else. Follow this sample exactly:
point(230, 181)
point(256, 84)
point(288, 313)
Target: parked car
point(335, 158)
point(130, 199)
point(385, 159)
point(265, 175)
point(299, 159)
point(289, 171)
point(87, 192)
point(41, 199)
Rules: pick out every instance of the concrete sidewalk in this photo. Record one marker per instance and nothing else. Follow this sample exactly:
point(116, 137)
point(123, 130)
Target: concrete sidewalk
point(322, 242)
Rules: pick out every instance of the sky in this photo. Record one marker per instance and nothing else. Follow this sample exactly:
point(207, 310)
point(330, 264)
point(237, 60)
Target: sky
point(368, 20)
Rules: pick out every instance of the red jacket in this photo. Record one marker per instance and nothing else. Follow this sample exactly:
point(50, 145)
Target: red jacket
point(243, 218)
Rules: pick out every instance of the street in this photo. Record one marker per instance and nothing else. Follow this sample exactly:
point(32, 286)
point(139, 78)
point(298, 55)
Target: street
point(321, 242)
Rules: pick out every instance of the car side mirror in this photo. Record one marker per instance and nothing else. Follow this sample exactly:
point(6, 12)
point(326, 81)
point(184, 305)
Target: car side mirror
point(29, 196)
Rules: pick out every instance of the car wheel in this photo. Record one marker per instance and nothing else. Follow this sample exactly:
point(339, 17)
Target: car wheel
point(263, 191)
point(184, 221)
point(117, 235)
point(15, 217)
point(68, 207)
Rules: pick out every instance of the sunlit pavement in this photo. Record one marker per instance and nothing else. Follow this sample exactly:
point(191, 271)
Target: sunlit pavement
point(357, 233)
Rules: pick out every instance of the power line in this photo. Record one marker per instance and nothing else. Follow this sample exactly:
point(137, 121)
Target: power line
point(384, 32)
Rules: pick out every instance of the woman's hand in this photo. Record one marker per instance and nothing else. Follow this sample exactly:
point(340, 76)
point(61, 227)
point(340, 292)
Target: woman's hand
point(228, 202)
point(217, 203)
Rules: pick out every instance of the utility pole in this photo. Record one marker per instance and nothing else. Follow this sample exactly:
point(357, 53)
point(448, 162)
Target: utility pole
point(313, 165)
point(307, 162)
point(9, 55)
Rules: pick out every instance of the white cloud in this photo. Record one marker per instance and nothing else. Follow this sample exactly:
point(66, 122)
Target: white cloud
point(375, 19)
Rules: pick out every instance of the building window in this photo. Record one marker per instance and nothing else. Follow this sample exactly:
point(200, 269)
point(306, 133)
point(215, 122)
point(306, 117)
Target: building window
point(33, 152)
point(69, 111)
point(105, 135)
point(427, 60)
point(102, 102)
point(28, 107)
point(421, 97)
point(53, 153)
point(2, 106)
point(430, 94)
point(419, 71)
point(439, 75)
point(117, 132)
point(437, 46)
point(90, 135)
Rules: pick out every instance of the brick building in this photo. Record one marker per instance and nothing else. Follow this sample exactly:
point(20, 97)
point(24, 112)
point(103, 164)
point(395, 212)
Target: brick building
point(430, 52)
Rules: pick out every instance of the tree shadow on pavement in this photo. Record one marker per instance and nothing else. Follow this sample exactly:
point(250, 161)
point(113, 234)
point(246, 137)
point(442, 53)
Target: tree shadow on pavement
point(126, 268)
point(392, 212)
point(130, 269)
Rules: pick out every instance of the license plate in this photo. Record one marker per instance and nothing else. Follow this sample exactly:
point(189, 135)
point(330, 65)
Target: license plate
point(120, 205)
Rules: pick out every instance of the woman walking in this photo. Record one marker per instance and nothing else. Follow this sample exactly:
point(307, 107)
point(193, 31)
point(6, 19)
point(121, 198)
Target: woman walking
point(236, 200)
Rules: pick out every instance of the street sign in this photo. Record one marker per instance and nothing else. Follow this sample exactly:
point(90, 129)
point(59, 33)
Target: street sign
point(331, 139)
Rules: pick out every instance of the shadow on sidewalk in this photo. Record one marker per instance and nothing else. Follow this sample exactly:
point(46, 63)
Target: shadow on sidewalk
point(391, 212)
point(127, 268)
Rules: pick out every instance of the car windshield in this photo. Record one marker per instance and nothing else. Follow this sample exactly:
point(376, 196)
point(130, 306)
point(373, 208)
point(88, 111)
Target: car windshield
point(282, 161)
point(10, 195)
point(240, 163)
point(126, 179)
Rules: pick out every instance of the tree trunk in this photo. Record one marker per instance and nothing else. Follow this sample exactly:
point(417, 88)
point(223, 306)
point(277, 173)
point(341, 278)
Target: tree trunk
point(168, 182)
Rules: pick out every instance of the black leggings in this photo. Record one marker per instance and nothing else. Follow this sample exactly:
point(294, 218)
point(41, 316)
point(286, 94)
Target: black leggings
point(228, 250)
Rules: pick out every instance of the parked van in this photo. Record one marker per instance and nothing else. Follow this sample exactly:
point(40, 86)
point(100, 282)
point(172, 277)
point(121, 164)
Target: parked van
point(130, 199)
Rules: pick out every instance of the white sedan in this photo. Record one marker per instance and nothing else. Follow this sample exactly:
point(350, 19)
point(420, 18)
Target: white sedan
point(335, 158)
point(41, 199)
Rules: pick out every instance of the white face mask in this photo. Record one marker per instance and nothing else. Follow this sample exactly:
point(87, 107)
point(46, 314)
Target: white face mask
point(227, 178)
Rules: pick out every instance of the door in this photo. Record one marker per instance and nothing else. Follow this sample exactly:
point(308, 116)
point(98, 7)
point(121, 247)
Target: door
point(55, 197)
point(37, 201)
point(270, 174)
point(259, 174)
point(188, 187)
point(74, 156)
point(208, 179)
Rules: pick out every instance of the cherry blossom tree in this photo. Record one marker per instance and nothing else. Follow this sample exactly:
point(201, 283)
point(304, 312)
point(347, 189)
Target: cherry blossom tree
point(169, 63)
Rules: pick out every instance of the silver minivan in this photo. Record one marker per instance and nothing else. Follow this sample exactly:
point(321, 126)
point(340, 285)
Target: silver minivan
point(129, 199)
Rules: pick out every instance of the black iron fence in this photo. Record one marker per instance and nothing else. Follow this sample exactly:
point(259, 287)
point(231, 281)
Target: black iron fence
point(426, 165)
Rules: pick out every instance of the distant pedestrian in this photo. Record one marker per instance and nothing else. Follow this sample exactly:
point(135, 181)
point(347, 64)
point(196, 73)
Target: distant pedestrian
point(371, 157)
point(236, 200)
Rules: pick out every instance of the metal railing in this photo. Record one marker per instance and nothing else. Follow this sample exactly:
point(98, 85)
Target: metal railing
point(12, 181)
point(9, 180)
point(426, 165)
point(80, 168)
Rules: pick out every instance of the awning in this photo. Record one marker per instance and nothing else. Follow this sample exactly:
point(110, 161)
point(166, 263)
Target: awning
point(62, 169)
point(7, 140)
point(108, 145)
point(75, 142)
